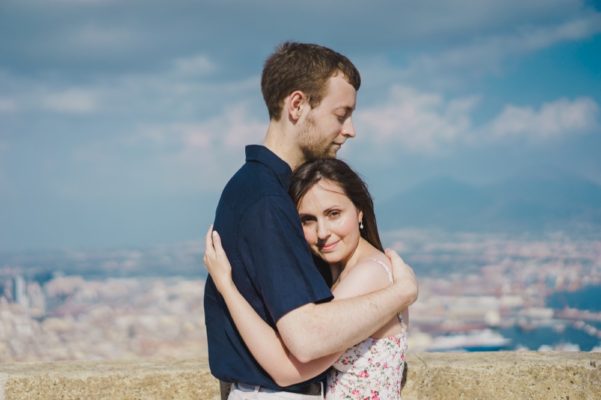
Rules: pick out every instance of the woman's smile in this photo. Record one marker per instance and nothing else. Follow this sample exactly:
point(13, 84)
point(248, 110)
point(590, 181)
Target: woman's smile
point(328, 247)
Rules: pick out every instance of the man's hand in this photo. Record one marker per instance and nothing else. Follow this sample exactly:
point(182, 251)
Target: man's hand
point(404, 277)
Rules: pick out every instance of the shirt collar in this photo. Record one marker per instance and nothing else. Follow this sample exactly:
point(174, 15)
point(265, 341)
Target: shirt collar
point(263, 155)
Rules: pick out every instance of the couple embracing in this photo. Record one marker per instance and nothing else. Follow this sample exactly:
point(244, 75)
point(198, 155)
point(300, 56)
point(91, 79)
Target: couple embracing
point(302, 301)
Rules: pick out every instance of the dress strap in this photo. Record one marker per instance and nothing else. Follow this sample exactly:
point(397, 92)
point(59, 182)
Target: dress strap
point(386, 268)
point(389, 272)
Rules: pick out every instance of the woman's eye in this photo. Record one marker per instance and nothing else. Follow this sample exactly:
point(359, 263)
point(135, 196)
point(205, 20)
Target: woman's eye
point(334, 213)
point(306, 221)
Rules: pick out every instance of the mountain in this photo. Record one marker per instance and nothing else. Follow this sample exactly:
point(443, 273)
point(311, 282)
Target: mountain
point(529, 204)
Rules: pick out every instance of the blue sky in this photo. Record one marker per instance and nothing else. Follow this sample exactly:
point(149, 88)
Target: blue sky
point(120, 121)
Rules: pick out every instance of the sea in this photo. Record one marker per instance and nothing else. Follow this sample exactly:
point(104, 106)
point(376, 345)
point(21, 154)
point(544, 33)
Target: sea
point(568, 336)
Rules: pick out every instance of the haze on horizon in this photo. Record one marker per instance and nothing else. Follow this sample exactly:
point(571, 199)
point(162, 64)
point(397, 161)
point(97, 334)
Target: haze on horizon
point(120, 122)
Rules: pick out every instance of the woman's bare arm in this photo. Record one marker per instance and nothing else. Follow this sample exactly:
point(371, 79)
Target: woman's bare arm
point(260, 338)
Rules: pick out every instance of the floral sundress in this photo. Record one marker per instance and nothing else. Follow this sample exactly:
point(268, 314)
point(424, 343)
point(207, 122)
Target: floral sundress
point(370, 370)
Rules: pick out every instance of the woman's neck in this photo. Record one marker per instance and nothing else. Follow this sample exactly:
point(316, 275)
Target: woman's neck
point(363, 249)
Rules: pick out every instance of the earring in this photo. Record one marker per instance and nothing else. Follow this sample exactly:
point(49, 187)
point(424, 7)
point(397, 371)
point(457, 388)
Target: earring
point(361, 224)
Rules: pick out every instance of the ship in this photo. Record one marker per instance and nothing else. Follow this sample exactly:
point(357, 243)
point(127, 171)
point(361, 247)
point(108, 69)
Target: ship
point(484, 340)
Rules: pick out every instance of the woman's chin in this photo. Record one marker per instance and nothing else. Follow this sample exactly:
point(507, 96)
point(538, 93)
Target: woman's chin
point(330, 258)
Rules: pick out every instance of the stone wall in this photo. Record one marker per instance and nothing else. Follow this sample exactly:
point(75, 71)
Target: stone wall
point(432, 376)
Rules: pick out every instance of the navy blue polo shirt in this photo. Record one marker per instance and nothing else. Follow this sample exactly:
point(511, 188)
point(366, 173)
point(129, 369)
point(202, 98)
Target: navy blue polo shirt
point(271, 262)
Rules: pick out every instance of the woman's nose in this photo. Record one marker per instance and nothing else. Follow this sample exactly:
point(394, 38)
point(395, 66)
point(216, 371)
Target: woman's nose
point(322, 230)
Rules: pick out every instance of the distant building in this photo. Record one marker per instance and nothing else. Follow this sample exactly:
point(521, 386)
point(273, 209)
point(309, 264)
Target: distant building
point(19, 293)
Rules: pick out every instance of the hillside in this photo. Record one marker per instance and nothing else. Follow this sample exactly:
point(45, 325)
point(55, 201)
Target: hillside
point(530, 204)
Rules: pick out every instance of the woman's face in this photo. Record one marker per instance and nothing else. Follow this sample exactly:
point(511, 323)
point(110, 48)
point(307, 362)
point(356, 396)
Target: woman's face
point(330, 221)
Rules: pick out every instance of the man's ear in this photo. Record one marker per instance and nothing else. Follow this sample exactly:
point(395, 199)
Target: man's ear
point(295, 103)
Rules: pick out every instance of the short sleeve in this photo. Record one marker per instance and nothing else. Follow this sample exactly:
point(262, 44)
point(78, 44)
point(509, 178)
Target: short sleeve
point(279, 262)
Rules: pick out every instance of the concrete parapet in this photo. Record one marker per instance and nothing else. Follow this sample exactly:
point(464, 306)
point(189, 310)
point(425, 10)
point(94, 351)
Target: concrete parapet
point(108, 380)
point(432, 376)
point(504, 375)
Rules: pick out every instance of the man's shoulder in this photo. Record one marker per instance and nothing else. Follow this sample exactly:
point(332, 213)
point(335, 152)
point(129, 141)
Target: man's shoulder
point(253, 188)
point(253, 182)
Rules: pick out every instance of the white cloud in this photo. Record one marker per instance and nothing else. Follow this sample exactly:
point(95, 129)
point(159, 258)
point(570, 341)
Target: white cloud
point(214, 146)
point(194, 65)
point(27, 97)
point(178, 136)
point(74, 100)
point(235, 127)
point(428, 122)
point(557, 118)
point(178, 91)
point(66, 34)
point(486, 54)
point(419, 121)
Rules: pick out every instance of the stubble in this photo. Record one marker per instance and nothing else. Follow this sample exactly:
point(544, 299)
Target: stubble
point(313, 145)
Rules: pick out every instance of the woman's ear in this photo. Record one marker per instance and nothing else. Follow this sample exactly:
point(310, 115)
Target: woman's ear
point(360, 216)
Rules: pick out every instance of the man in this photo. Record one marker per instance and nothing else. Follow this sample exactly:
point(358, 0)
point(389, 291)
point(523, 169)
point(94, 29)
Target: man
point(310, 92)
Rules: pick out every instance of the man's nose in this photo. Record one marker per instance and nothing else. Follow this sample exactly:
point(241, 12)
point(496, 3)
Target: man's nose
point(348, 129)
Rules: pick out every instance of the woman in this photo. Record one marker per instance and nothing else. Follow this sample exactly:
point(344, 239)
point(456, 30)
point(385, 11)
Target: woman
point(339, 224)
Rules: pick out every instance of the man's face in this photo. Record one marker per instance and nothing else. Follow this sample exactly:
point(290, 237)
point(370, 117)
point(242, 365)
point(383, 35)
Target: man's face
point(326, 127)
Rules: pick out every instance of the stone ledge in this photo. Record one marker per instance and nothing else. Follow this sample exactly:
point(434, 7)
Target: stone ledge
point(432, 376)
point(108, 380)
point(504, 375)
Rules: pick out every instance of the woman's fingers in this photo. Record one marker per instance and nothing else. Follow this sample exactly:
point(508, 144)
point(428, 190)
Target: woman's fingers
point(400, 268)
point(392, 255)
point(209, 250)
point(217, 244)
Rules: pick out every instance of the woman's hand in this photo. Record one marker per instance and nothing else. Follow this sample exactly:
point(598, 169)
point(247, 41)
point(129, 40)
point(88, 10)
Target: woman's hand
point(216, 261)
point(403, 275)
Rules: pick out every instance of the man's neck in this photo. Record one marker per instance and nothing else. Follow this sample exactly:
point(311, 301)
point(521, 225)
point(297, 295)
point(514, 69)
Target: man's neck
point(282, 144)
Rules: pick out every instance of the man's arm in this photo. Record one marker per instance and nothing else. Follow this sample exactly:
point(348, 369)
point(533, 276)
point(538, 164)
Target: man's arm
point(315, 330)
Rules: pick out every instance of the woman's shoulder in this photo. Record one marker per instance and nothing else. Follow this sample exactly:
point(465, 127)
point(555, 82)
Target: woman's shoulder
point(371, 273)
point(375, 265)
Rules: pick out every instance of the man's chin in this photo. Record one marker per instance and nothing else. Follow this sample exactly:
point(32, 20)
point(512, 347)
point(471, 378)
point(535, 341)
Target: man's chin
point(331, 153)
point(312, 156)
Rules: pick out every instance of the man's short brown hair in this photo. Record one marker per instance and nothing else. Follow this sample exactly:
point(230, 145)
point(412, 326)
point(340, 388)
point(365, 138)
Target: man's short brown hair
point(305, 67)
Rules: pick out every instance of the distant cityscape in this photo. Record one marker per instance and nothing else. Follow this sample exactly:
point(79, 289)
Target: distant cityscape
point(477, 292)
point(499, 292)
